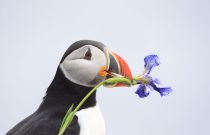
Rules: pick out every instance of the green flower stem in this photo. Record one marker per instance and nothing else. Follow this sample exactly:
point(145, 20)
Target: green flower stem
point(136, 78)
point(70, 114)
point(87, 96)
point(118, 80)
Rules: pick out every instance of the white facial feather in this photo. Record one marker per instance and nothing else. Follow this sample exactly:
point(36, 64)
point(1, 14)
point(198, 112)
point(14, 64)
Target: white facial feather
point(82, 71)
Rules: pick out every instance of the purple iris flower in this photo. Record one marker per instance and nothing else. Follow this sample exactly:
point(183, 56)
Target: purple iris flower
point(145, 81)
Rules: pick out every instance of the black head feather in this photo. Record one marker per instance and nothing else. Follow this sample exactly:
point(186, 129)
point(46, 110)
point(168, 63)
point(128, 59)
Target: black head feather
point(63, 91)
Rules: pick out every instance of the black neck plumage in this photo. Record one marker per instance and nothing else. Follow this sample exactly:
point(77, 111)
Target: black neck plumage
point(62, 93)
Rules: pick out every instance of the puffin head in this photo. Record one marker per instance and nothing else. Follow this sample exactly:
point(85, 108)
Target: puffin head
point(87, 63)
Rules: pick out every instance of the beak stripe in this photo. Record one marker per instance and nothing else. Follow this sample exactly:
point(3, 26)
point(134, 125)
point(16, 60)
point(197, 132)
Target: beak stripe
point(117, 60)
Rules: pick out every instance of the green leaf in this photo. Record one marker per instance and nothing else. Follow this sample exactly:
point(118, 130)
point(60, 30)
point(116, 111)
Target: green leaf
point(67, 119)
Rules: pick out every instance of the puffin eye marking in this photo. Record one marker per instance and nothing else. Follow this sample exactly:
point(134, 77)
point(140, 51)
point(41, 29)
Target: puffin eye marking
point(88, 54)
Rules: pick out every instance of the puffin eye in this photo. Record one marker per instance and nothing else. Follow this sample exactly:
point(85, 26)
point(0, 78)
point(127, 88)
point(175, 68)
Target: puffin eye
point(88, 54)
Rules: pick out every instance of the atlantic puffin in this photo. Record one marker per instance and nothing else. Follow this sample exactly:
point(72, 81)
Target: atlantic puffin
point(77, 73)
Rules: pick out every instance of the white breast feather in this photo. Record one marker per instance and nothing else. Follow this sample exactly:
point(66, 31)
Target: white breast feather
point(91, 121)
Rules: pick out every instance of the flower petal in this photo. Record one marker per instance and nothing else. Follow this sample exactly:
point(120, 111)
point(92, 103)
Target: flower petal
point(163, 91)
point(141, 91)
point(156, 81)
point(151, 61)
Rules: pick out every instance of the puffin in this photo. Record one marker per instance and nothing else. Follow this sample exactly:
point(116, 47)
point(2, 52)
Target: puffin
point(77, 73)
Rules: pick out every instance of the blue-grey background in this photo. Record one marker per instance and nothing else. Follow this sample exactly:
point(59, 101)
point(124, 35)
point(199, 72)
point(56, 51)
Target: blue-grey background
point(35, 34)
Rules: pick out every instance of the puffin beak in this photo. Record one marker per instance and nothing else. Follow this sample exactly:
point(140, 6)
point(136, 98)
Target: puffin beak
point(116, 66)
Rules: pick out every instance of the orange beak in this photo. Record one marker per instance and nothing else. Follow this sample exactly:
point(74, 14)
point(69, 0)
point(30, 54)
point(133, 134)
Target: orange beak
point(117, 66)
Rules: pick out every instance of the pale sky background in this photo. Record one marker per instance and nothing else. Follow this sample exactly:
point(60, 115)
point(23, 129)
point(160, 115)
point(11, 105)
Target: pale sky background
point(35, 34)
